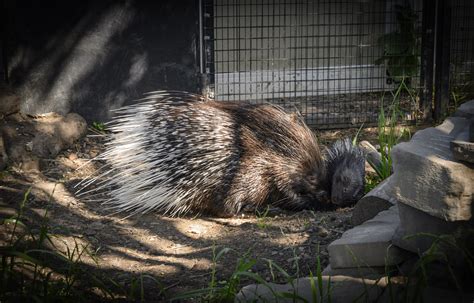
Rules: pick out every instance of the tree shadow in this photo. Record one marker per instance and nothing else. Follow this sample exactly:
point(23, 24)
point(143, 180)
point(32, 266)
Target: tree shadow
point(90, 57)
point(159, 246)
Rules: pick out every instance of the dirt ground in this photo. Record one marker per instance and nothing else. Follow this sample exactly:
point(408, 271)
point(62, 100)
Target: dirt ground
point(177, 252)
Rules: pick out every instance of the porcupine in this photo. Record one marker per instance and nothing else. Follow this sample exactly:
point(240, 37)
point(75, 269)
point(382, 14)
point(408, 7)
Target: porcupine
point(177, 153)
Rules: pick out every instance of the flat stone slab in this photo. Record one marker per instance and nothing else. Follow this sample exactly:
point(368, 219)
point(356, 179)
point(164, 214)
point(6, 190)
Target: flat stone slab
point(429, 178)
point(345, 289)
point(415, 224)
point(368, 244)
point(378, 199)
point(342, 289)
point(373, 273)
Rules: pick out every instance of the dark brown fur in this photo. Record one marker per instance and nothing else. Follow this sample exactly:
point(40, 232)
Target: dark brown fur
point(211, 157)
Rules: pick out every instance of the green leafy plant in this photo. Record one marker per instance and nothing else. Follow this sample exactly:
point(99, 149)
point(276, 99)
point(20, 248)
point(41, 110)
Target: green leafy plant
point(401, 47)
point(226, 290)
point(371, 181)
point(356, 136)
point(389, 135)
point(262, 217)
point(223, 290)
point(99, 126)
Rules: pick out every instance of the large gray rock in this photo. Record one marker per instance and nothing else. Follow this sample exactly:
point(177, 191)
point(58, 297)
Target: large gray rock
point(465, 110)
point(368, 244)
point(347, 289)
point(378, 199)
point(414, 226)
point(463, 150)
point(428, 177)
point(342, 289)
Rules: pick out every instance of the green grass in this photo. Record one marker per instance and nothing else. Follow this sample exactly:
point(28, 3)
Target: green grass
point(262, 217)
point(34, 268)
point(389, 134)
point(371, 181)
point(226, 290)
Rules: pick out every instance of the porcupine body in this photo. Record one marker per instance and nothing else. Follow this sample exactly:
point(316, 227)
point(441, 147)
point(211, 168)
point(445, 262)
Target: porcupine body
point(178, 153)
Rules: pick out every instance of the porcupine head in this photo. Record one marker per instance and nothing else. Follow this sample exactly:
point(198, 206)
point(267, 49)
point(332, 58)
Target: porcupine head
point(345, 164)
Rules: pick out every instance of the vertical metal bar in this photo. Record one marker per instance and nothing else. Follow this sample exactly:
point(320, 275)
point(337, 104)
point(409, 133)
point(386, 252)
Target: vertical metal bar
point(208, 48)
point(443, 19)
point(4, 37)
point(427, 59)
point(201, 38)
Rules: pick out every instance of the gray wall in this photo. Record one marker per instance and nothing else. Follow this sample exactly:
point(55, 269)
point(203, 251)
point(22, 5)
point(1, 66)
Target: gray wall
point(279, 48)
point(92, 56)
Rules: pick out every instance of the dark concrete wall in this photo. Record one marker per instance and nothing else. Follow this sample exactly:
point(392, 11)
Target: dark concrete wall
point(93, 56)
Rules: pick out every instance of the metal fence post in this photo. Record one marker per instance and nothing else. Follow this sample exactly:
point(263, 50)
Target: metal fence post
point(427, 59)
point(442, 63)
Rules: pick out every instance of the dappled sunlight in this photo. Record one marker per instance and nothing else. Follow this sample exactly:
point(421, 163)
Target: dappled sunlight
point(123, 247)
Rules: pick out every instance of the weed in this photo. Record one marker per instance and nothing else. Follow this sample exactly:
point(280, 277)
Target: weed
point(224, 290)
point(371, 181)
point(99, 126)
point(34, 268)
point(262, 217)
point(389, 134)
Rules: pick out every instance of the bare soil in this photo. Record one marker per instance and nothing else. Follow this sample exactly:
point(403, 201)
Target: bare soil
point(178, 252)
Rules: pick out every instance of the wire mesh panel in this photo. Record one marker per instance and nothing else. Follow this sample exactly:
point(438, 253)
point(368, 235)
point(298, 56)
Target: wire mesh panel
point(332, 61)
point(462, 51)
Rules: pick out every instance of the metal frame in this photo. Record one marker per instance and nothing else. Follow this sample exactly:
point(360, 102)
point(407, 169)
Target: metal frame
point(318, 57)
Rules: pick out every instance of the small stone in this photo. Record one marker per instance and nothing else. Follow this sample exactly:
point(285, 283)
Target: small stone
point(71, 128)
point(72, 157)
point(322, 232)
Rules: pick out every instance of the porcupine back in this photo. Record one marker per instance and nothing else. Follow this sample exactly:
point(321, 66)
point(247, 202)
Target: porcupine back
point(178, 153)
